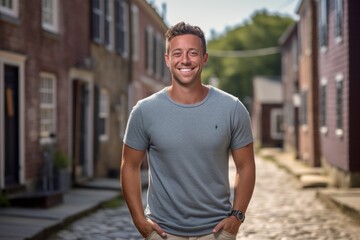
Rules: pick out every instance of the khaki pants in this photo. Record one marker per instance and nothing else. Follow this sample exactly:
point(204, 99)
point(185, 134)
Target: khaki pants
point(218, 236)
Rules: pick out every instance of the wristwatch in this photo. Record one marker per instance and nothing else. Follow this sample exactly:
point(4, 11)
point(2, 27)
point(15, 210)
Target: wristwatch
point(238, 214)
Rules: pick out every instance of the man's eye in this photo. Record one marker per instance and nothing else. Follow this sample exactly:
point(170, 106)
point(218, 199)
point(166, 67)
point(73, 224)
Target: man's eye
point(176, 54)
point(193, 53)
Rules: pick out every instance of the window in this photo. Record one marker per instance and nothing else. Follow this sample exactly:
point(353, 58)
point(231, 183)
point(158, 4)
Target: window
point(97, 14)
point(149, 61)
point(338, 19)
point(121, 29)
point(47, 92)
point(135, 33)
point(304, 108)
point(50, 15)
point(104, 115)
point(122, 115)
point(159, 55)
point(339, 104)
point(107, 23)
point(276, 130)
point(323, 23)
point(9, 7)
point(323, 105)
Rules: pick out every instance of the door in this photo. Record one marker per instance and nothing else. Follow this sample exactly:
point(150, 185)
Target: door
point(80, 130)
point(11, 125)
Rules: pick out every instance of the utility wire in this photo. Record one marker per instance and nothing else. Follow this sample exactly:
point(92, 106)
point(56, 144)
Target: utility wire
point(244, 53)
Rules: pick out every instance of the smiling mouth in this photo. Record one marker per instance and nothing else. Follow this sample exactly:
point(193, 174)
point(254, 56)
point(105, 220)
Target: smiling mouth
point(185, 69)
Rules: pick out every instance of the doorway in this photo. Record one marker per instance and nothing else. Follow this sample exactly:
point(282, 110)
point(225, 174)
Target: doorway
point(11, 125)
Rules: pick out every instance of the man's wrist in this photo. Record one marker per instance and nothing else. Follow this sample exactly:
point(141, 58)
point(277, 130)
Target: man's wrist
point(240, 216)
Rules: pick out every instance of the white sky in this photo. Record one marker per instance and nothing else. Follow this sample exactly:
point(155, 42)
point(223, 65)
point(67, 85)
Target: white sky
point(220, 14)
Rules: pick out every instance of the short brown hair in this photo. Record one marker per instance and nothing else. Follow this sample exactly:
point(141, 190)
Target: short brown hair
point(181, 29)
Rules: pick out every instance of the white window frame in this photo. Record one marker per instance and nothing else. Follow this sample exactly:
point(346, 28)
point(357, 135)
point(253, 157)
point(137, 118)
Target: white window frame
point(43, 134)
point(339, 19)
point(339, 131)
point(54, 12)
point(323, 25)
point(323, 84)
point(104, 113)
point(12, 11)
point(274, 133)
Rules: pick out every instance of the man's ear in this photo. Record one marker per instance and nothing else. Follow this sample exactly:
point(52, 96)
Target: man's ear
point(167, 60)
point(206, 56)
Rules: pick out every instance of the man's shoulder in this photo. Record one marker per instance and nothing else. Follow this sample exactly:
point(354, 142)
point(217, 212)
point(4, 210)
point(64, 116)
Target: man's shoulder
point(151, 100)
point(224, 96)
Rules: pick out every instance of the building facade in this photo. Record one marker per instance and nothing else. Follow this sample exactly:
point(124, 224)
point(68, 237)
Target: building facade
point(338, 73)
point(290, 79)
point(309, 146)
point(328, 53)
point(149, 72)
point(41, 45)
point(65, 78)
point(267, 111)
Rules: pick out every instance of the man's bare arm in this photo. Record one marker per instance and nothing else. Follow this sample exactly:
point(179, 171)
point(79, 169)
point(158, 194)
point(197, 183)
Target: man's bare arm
point(130, 179)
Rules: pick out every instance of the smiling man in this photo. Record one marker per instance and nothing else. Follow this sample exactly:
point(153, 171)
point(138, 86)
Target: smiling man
point(187, 130)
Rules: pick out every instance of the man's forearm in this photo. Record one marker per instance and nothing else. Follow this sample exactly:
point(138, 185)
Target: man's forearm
point(243, 188)
point(131, 188)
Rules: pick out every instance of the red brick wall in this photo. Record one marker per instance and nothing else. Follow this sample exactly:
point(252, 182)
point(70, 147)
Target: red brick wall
point(46, 52)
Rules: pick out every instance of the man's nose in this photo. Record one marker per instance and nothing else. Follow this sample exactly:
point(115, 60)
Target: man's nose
point(185, 59)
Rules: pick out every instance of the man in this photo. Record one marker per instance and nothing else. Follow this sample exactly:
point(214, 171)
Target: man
point(187, 130)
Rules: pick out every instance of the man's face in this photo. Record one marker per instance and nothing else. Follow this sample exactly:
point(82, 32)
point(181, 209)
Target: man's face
point(185, 59)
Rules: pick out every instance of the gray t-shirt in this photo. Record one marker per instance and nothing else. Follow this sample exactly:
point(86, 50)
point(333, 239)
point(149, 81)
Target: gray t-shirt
point(188, 151)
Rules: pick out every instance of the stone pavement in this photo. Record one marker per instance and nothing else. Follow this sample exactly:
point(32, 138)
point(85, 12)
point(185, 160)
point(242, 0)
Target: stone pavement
point(346, 200)
point(280, 209)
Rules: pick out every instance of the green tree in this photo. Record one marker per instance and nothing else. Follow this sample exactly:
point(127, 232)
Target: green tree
point(235, 74)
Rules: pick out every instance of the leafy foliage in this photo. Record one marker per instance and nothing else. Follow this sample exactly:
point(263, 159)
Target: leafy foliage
point(235, 75)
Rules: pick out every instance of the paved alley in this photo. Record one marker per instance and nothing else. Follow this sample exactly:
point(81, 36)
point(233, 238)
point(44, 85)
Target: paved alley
point(279, 210)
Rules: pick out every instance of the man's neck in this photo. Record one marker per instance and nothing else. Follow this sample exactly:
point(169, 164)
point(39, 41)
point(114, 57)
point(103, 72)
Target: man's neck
point(186, 95)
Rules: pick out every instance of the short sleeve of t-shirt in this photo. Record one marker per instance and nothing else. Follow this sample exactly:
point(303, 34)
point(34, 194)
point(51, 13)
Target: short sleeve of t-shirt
point(135, 135)
point(241, 132)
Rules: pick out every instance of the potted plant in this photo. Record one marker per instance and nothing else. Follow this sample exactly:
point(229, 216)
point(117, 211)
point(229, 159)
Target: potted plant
point(62, 175)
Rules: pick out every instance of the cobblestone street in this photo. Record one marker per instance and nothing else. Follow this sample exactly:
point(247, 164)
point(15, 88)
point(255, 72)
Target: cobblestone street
point(279, 210)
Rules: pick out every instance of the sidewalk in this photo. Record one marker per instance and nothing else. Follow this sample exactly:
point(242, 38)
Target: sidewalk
point(346, 200)
point(31, 223)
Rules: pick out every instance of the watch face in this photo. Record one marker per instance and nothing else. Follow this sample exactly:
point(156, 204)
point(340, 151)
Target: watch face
point(238, 214)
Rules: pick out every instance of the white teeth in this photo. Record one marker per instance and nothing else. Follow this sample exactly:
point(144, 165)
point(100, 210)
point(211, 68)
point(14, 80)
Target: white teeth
point(185, 69)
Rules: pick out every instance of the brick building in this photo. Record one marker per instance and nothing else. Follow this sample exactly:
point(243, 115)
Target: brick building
point(40, 46)
point(309, 146)
point(339, 54)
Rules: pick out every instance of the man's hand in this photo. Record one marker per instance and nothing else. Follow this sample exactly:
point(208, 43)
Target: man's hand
point(229, 224)
point(147, 226)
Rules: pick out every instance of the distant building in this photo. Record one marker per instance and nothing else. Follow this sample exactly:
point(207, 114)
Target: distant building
point(328, 54)
point(267, 111)
point(149, 71)
point(309, 144)
point(290, 79)
point(339, 73)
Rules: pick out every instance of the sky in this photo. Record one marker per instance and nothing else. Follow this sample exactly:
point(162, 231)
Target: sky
point(220, 14)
